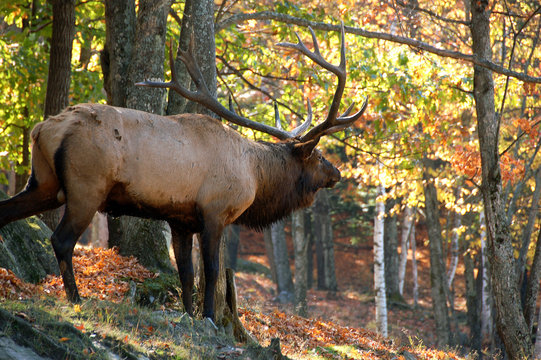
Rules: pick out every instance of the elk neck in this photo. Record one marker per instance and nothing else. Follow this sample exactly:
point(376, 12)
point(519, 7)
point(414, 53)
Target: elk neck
point(282, 185)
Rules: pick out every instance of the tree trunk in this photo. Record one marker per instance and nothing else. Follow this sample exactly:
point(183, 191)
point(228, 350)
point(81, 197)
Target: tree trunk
point(117, 53)
point(486, 303)
point(115, 60)
point(407, 225)
point(326, 272)
point(472, 302)
point(529, 229)
point(284, 280)
point(141, 238)
point(532, 289)
point(148, 56)
point(453, 264)
point(379, 264)
point(232, 238)
point(309, 234)
point(144, 239)
point(301, 262)
point(537, 351)
point(59, 77)
point(390, 237)
point(413, 245)
point(437, 268)
point(267, 238)
point(58, 81)
point(198, 21)
point(511, 324)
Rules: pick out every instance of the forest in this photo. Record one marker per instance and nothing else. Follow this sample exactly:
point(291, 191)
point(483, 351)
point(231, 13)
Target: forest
point(429, 246)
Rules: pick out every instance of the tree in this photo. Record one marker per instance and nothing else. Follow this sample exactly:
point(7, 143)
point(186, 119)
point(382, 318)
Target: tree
point(134, 53)
point(324, 240)
point(379, 263)
point(278, 256)
point(405, 239)
point(390, 237)
point(300, 243)
point(58, 81)
point(437, 267)
point(197, 22)
point(510, 320)
point(59, 77)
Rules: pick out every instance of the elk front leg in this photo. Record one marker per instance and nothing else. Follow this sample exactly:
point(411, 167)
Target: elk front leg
point(210, 249)
point(182, 246)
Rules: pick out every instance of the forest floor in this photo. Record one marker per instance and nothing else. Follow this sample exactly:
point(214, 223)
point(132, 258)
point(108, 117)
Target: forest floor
point(106, 325)
point(353, 305)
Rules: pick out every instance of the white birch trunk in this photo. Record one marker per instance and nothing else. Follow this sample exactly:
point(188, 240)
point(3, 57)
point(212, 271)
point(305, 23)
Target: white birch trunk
point(486, 314)
point(405, 236)
point(379, 264)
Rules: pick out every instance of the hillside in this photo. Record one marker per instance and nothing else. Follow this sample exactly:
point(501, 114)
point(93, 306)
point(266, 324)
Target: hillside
point(108, 324)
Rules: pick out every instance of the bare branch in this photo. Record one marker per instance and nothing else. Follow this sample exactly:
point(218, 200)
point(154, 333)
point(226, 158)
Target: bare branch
point(432, 14)
point(288, 19)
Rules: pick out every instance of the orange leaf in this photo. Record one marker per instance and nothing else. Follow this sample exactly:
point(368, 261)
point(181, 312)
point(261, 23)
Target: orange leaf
point(64, 339)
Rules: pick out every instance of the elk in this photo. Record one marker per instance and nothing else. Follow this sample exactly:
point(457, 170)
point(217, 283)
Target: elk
point(189, 170)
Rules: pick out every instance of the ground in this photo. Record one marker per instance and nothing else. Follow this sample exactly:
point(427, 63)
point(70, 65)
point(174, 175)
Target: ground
point(353, 305)
point(339, 326)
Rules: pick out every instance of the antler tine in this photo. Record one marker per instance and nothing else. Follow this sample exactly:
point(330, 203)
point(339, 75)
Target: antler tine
point(333, 122)
point(202, 95)
point(344, 121)
point(277, 121)
point(299, 129)
point(306, 124)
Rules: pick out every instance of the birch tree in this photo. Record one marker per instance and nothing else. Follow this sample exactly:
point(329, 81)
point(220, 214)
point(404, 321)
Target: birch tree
point(379, 263)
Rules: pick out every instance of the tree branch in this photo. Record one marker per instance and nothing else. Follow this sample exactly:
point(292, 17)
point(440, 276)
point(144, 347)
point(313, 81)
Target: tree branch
point(432, 14)
point(253, 87)
point(288, 19)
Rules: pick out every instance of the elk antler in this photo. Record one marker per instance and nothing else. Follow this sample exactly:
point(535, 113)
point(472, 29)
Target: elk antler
point(202, 96)
point(332, 123)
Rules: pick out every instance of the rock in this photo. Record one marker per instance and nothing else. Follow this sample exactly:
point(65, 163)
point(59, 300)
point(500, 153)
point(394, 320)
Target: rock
point(25, 249)
point(9, 350)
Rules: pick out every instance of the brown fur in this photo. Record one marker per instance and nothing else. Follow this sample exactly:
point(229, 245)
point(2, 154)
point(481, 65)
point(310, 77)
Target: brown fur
point(189, 170)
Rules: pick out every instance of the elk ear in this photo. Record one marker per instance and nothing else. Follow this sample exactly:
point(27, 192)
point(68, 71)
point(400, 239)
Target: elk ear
point(304, 149)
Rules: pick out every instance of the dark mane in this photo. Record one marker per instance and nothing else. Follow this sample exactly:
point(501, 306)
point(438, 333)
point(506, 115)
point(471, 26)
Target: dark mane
point(283, 188)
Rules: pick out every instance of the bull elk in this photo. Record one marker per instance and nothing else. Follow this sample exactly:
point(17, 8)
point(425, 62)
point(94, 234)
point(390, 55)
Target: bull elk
point(189, 170)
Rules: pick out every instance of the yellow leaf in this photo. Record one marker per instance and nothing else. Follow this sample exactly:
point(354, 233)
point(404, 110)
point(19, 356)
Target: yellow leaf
point(77, 308)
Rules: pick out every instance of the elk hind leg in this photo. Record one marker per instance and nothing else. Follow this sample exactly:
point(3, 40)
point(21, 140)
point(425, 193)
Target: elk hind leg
point(210, 250)
point(79, 213)
point(182, 245)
